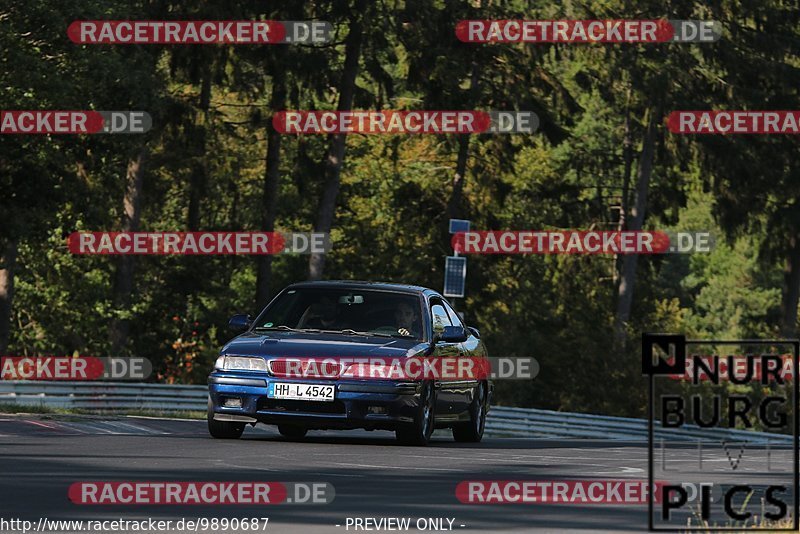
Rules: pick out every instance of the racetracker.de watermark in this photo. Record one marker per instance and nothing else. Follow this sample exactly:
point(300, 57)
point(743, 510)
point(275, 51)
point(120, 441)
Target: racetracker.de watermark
point(30, 122)
point(73, 368)
point(149, 525)
point(205, 493)
point(446, 368)
point(737, 368)
point(198, 243)
point(597, 491)
point(580, 242)
point(405, 122)
point(734, 122)
point(588, 31)
point(199, 32)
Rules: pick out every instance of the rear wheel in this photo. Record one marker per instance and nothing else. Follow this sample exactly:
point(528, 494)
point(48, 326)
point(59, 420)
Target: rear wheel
point(223, 429)
point(472, 431)
point(292, 431)
point(419, 432)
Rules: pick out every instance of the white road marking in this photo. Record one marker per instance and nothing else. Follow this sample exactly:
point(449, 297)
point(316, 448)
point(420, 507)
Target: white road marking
point(165, 418)
point(401, 467)
point(625, 471)
point(258, 468)
point(96, 428)
point(138, 430)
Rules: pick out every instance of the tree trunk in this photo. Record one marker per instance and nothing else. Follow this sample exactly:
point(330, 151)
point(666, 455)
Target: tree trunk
point(123, 280)
point(454, 204)
point(335, 155)
point(791, 289)
point(457, 194)
point(8, 264)
point(627, 156)
point(271, 179)
point(198, 180)
point(636, 223)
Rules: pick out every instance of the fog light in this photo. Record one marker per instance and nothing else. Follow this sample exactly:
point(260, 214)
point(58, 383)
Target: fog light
point(377, 409)
point(232, 402)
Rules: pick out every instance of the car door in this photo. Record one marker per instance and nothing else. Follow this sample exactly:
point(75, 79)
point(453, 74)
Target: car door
point(462, 390)
point(448, 390)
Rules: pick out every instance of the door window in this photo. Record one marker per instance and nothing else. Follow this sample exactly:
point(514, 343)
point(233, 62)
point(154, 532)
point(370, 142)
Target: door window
point(439, 317)
point(454, 318)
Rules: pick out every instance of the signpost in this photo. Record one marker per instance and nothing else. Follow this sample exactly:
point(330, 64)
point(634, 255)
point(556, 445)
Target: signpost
point(455, 267)
point(455, 276)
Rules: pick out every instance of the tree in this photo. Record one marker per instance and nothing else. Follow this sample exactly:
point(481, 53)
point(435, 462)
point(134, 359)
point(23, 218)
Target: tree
point(131, 219)
point(334, 158)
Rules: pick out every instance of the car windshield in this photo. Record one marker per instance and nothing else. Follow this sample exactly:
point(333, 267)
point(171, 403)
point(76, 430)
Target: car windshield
point(345, 311)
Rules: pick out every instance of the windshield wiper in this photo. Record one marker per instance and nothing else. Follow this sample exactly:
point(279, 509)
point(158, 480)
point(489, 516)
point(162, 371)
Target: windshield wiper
point(284, 328)
point(346, 331)
point(351, 332)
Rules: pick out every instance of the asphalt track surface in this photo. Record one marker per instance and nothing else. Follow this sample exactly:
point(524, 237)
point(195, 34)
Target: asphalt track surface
point(373, 477)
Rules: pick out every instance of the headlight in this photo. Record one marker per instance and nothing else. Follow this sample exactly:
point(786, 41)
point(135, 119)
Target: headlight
point(242, 363)
point(220, 363)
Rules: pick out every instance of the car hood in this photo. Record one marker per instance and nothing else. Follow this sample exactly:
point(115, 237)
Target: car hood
point(304, 344)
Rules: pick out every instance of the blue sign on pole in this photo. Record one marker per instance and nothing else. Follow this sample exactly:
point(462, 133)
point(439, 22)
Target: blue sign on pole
point(459, 225)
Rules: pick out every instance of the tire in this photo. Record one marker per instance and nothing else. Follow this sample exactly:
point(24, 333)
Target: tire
point(472, 431)
point(419, 432)
point(292, 431)
point(223, 429)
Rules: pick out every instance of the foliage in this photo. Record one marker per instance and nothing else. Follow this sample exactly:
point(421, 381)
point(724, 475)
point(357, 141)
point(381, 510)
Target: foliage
point(395, 189)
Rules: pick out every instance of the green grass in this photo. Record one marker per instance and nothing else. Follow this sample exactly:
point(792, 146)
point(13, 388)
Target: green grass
point(47, 410)
point(6, 407)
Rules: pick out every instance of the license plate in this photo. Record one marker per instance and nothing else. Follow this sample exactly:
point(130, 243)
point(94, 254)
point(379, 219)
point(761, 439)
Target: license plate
point(309, 392)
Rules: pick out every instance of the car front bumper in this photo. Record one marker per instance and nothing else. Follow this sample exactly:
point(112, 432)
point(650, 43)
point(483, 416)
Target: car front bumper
point(370, 404)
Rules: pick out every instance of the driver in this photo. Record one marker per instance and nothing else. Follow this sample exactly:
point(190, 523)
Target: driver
point(406, 319)
point(326, 315)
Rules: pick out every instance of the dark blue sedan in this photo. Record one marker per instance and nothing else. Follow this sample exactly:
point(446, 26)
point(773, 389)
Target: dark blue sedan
point(345, 355)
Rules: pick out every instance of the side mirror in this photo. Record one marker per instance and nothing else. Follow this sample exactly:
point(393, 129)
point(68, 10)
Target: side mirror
point(474, 331)
point(239, 323)
point(453, 334)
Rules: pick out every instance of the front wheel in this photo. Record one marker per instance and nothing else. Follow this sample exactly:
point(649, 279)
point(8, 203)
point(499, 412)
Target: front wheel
point(223, 429)
point(419, 432)
point(472, 431)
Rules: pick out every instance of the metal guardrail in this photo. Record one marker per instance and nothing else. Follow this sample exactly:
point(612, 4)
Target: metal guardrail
point(528, 422)
point(107, 396)
point(502, 421)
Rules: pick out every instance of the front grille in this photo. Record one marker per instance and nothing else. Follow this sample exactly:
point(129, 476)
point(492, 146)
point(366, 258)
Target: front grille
point(310, 368)
point(295, 406)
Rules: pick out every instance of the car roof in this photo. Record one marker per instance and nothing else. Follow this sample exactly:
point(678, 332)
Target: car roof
point(364, 284)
